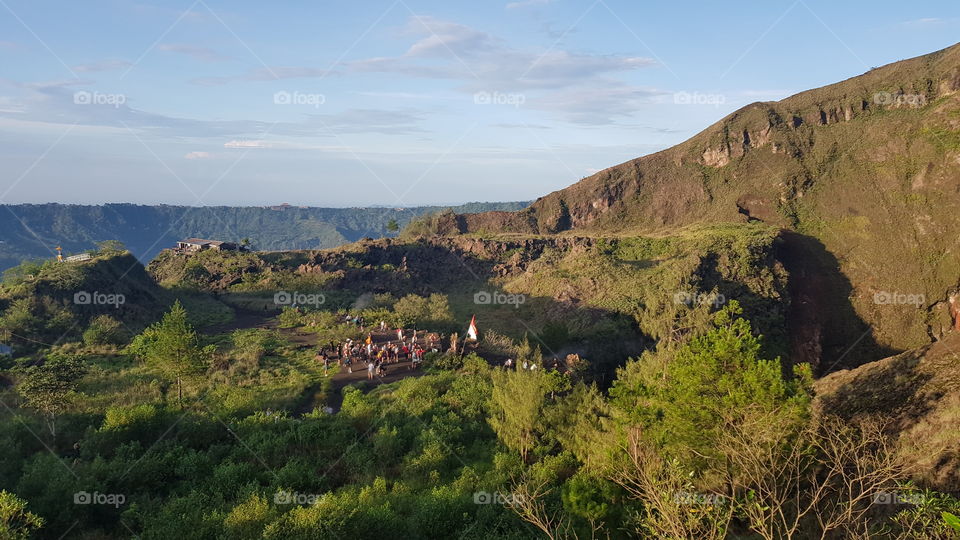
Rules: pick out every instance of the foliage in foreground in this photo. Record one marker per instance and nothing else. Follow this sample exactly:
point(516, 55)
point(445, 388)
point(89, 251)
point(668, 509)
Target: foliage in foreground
point(705, 438)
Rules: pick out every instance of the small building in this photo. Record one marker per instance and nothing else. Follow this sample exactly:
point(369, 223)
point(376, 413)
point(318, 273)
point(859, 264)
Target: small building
point(79, 258)
point(6, 350)
point(199, 244)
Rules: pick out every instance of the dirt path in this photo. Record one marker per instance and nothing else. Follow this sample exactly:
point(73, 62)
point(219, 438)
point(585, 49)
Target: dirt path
point(395, 372)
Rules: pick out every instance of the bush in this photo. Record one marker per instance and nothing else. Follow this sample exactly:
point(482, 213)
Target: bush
point(442, 361)
point(104, 330)
point(414, 310)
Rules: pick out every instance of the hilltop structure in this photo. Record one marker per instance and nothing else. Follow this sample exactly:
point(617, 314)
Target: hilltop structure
point(199, 244)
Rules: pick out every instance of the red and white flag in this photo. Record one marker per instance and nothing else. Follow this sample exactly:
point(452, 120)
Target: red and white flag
point(472, 331)
point(400, 334)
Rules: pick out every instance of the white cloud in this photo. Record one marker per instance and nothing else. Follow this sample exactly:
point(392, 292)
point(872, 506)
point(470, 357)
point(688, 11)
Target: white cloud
point(7, 105)
point(528, 3)
point(105, 65)
point(452, 51)
point(246, 144)
point(926, 21)
point(55, 102)
point(199, 53)
point(597, 105)
point(273, 73)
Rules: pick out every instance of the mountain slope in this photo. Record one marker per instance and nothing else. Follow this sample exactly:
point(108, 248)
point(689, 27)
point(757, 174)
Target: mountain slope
point(917, 393)
point(869, 167)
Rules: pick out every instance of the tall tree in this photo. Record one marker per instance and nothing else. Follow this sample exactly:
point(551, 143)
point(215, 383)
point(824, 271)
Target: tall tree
point(173, 347)
point(517, 407)
point(685, 398)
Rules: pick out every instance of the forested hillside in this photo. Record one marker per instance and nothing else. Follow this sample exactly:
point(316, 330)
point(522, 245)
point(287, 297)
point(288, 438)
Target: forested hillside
point(29, 231)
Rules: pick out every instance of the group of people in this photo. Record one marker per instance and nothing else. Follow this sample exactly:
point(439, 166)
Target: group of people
point(554, 365)
point(508, 363)
point(356, 320)
point(376, 356)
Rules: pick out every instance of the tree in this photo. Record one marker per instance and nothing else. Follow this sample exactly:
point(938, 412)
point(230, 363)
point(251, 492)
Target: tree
point(23, 272)
point(829, 472)
point(173, 347)
point(418, 310)
point(673, 505)
point(686, 398)
point(47, 387)
point(530, 502)
point(110, 247)
point(438, 308)
point(15, 522)
point(528, 353)
point(411, 309)
point(516, 407)
point(393, 226)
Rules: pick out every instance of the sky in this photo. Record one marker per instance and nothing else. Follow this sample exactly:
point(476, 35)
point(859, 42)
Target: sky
point(399, 102)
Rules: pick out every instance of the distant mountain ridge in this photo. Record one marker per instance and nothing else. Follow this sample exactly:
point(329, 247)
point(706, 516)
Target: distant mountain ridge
point(30, 231)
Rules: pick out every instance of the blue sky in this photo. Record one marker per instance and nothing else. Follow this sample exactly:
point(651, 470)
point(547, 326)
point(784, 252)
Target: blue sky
point(399, 102)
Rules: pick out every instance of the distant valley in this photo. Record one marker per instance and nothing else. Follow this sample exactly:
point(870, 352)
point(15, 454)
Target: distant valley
point(33, 231)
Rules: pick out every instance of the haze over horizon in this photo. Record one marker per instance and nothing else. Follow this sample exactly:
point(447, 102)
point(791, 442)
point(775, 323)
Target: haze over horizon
point(398, 103)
